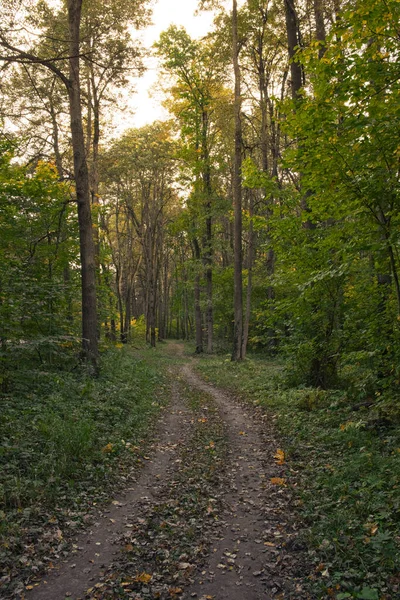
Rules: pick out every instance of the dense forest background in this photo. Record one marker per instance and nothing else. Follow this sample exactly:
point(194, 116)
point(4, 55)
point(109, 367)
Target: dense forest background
point(262, 216)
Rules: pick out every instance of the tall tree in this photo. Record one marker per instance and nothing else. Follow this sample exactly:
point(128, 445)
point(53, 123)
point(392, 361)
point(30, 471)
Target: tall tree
point(237, 353)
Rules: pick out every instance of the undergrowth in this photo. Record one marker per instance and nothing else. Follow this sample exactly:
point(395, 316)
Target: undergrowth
point(66, 440)
point(346, 461)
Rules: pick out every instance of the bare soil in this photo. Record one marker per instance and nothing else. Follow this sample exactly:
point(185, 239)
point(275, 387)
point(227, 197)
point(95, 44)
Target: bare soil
point(209, 517)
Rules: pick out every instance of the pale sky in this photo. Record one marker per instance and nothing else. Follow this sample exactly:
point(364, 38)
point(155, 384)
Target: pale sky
point(165, 13)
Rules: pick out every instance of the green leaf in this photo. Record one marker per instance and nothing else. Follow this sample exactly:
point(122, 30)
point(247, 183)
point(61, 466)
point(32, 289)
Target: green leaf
point(368, 594)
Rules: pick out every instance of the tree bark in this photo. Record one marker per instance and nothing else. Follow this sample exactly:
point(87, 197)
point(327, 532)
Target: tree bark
point(197, 305)
point(320, 26)
point(237, 197)
point(293, 43)
point(250, 259)
point(208, 252)
point(87, 250)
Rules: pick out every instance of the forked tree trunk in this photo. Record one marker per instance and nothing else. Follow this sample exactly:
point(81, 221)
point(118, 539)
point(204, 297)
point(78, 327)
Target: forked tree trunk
point(87, 250)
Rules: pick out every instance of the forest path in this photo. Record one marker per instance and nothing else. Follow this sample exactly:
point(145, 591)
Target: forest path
point(204, 520)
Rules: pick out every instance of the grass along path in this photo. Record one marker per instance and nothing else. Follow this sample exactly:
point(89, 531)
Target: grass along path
point(68, 442)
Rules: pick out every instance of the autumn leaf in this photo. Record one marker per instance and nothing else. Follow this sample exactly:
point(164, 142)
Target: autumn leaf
point(278, 481)
point(279, 457)
point(108, 448)
point(144, 577)
point(175, 591)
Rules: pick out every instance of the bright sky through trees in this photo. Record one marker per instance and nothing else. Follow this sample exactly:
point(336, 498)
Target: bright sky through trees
point(166, 12)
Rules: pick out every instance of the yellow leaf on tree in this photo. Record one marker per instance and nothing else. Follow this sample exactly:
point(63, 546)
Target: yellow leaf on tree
point(278, 481)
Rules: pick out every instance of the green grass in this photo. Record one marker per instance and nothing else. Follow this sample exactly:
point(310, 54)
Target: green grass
point(67, 440)
point(346, 466)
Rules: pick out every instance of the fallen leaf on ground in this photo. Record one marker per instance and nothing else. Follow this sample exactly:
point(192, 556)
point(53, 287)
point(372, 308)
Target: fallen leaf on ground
point(108, 448)
point(279, 456)
point(278, 481)
point(144, 577)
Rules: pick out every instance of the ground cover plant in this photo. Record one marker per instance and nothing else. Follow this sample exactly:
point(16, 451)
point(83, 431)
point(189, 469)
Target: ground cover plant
point(343, 462)
point(67, 439)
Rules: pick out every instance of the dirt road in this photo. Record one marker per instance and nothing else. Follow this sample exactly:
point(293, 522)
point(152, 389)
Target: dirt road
point(209, 516)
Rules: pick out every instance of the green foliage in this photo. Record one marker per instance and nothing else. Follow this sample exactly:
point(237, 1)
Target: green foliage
point(35, 251)
point(335, 227)
point(67, 439)
point(344, 465)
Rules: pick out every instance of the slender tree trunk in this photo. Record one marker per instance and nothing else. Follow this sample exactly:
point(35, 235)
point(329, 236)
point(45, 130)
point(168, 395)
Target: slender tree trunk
point(320, 26)
point(293, 43)
point(237, 198)
point(197, 303)
point(87, 251)
point(208, 250)
point(250, 259)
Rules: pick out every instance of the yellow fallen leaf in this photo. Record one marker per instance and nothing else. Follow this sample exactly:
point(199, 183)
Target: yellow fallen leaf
point(144, 577)
point(278, 481)
point(29, 587)
point(242, 433)
point(203, 420)
point(279, 456)
point(175, 591)
point(108, 448)
point(270, 544)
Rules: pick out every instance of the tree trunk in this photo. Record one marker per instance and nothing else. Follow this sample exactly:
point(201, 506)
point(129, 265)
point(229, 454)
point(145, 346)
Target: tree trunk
point(293, 43)
point(237, 198)
point(250, 258)
point(208, 250)
point(320, 26)
point(87, 251)
point(197, 304)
